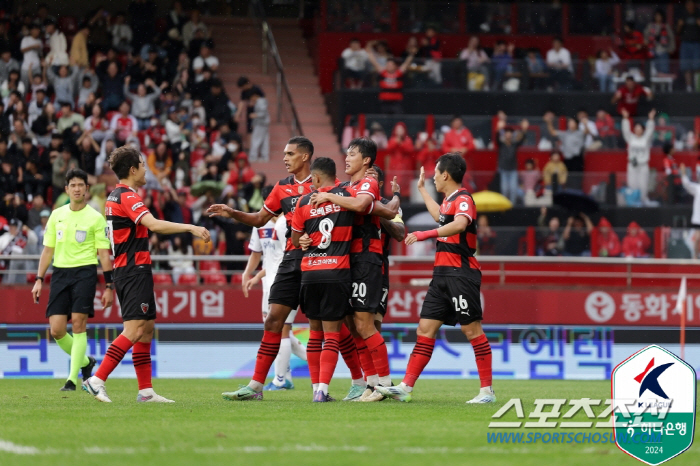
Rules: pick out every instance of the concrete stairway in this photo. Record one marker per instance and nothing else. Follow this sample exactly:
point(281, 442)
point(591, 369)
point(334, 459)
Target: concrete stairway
point(238, 45)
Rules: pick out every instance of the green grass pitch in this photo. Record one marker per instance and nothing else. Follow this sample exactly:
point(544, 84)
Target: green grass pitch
point(39, 425)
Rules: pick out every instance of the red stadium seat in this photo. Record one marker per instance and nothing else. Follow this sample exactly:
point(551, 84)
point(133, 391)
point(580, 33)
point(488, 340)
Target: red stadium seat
point(162, 278)
point(214, 278)
point(210, 266)
point(110, 114)
point(31, 277)
point(188, 279)
point(237, 278)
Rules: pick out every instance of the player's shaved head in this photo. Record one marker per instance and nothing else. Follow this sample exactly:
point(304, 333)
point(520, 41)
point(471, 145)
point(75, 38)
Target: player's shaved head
point(324, 167)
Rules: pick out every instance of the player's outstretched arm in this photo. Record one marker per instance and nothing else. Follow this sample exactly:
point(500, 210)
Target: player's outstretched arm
point(170, 228)
point(386, 211)
point(455, 227)
point(396, 229)
point(360, 204)
point(433, 207)
point(258, 219)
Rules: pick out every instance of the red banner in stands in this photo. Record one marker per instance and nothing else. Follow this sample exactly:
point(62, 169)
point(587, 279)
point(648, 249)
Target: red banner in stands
point(502, 305)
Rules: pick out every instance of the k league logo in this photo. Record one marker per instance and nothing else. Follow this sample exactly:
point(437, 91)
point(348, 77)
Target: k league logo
point(663, 388)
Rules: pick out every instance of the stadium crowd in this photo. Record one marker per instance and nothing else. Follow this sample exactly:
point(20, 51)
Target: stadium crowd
point(73, 90)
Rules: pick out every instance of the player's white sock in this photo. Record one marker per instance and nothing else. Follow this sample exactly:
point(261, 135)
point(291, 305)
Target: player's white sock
point(359, 382)
point(315, 387)
point(257, 386)
point(405, 387)
point(282, 361)
point(323, 387)
point(373, 380)
point(385, 381)
point(288, 374)
point(487, 390)
point(298, 349)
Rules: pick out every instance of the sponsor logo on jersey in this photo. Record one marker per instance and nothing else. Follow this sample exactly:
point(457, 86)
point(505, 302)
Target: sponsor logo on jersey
point(463, 206)
point(136, 206)
point(324, 210)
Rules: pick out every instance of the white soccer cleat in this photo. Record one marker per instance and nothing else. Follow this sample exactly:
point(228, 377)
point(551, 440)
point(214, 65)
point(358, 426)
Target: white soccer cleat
point(149, 396)
point(375, 395)
point(486, 395)
point(96, 388)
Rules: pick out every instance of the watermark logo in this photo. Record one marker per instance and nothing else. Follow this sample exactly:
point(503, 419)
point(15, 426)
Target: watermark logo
point(664, 387)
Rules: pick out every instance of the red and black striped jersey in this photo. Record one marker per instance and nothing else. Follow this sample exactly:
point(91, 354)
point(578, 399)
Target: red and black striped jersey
point(283, 200)
point(330, 227)
point(124, 210)
point(367, 231)
point(455, 254)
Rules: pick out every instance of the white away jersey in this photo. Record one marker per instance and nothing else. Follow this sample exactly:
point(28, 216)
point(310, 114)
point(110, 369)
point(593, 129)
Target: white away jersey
point(270, 241)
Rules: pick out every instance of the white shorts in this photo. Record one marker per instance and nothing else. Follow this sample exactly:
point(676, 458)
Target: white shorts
point(266, 307)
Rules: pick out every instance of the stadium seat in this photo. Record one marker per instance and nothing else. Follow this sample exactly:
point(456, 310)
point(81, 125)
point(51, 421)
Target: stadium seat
point(206, 266)
point(188, 279)
point(214, 278)
point(162, 278)
point(237, 278)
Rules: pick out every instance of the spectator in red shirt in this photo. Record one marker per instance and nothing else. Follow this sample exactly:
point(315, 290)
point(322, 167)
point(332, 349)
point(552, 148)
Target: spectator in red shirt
point(636, 243)
point(428, 154)
point(627, 96)
point(674, 185)
point(608, 242)
point(123, 125)
point(605, 125)
point(401, 153)
point(633, 46)
point(241, 173)
point(390, 82)
point(459, 138)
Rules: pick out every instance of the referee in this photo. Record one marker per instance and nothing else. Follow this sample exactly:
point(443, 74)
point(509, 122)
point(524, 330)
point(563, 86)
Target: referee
point(75, 235)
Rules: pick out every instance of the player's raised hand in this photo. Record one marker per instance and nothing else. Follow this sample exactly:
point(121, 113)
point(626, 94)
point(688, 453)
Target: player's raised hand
point(410, 239)
point(421, 179)
point(36, 291)
point(107, 298)
point(201, 232)
point(395, 188)
point(305, 241)
point(373, 173)
point(220, 210)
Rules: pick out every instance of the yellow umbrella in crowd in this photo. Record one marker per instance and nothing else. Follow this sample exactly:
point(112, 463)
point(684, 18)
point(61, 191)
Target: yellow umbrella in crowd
point(489, 201)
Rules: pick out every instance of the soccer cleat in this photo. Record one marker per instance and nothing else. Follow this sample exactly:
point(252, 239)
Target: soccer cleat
point(243, 393)
point(320, 397)
point(366, 393)
point(486, 395)
point(87, 370)
point(152, 398)
point(68, 387)
point(355, 393)
point(374, 396)
point(395, 392)
point(271, 387)
point(97, 390)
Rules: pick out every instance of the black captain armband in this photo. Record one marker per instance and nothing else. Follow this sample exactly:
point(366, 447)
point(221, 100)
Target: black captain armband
point(108, 276)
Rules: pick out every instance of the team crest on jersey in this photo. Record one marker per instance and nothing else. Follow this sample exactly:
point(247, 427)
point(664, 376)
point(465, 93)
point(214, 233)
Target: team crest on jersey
point(144, 307)
point(300, 189)
point(448, 206)
point(80, 236)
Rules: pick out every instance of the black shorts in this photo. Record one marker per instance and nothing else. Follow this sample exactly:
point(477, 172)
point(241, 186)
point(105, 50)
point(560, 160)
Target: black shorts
point(72, 291)
point(325, 301)
point(366, 293)
point(452, 300)
point(136, 297)
point(285, 288)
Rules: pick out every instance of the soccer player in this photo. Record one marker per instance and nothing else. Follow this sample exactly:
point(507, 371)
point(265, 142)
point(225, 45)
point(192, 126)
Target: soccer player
point(269, 243)
point(454, 293)
point(128, 223)
point(76, 234)
point(325, 268)
point(366, 260)
point(390, 229)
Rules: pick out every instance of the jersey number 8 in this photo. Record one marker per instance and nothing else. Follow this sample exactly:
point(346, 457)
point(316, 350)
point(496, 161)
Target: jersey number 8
point(325, 227)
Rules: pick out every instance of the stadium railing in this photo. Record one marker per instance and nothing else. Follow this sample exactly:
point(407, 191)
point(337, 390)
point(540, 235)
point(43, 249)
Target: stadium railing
point(286, 110)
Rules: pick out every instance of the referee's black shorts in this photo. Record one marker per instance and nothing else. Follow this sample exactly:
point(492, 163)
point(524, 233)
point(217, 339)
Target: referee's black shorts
point(287, 285)
point(136, 298)
point(72, 291)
